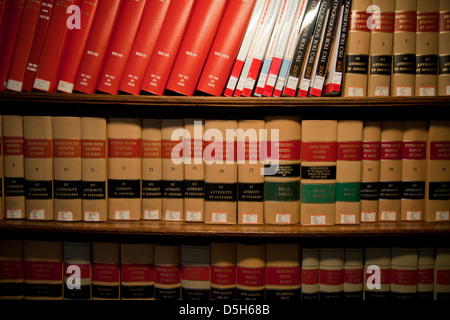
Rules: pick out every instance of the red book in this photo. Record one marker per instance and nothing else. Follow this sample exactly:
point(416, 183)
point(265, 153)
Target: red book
point(226, 45)
point(96, 46)
point(23, 44)
point(38, 42)
point(76, 47)
point(53, 50)
point(5, 7)
point(195, 47)
point(120, 46)
point(14, 18)
point(146, 37)
point(166, 48)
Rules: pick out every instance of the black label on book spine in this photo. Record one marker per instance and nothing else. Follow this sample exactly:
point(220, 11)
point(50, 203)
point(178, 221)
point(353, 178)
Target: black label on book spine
point(38, 190)
point(173, 189)
point(11, 289)
point(444, 64)
point(404, 64)
point(43, 290)
point(194, 189)
point(427, 64)
point(221, 192)
point(357, 64)
point(381, 65)
point(369, 191)
point(137, 292)
point(151, 189)
point(250, 295)
point(223, 294)
point(167, 294)
point(413, 190)
point(391, 190)
point(195, 294)
point(251, 191)
point(14, 187)
point(82, 293)
point(344, 33)
point(124, 189)
point(283, 295)
point(105, 292)
point(94, 190)
point(319, 172)
point(439, 191)
point(67, 189)
point(286, 170)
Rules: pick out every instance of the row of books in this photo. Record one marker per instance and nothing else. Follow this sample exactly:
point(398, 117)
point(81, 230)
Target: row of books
point(227, 47)
point(277, 170)
point(33, 269)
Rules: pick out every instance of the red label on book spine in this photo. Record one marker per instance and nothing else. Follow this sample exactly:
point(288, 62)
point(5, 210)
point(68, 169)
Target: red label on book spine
point(13, 146)
point(151, 149)
point(427, 22)
point(384, 22)
point(124, 148)
point(220, 151)
point(194, 148)
point(251, 277)
point(167, 275)
point(38, 148)
point(414, 150)
point(331, 277)
point(66, 148)
point(223, 275)
point(358, 21)
point(106, 272)
point(371, 150)
point(404, 277)
point(440, 150)
point(43, 270)
point(391, 150)
point(351, 151)
point(353, 276)
point(171, 148)
point(444, 21)
point(283, 276)
point(85, 270)
point(11, 270)
point(319, 151)
point(385, 276)
point(137, 273)
point(195, 273)
point(425, 276)
point(443, 277)
point(405, 21)
point(310, 276)
point(93, 149)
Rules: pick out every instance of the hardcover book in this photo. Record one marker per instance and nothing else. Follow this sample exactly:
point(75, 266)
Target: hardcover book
point(105, 270)
point(167, 272)
point(377, 273)
point(444, 49)
point(331, 274)
point(11, 269)
point(425, 269)
point(442, 273)
point(77, 270)
point(404, 273)
point(195, 272)
point(250, 271)
point(310, 273)
point(353, 273)
point(223, 270)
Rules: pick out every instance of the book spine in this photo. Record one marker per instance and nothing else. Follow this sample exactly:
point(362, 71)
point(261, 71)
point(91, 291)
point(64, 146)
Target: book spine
point(377, 273)
point(310, 274)
point(12, 269)
point(195, 272)
point(442, 274)
point(77, 256)
point(404, 273)
point(425, 270)
point(250, 271)
point(167, 272)
point(105, 271)
point(444, 49)
point(223, 271)
point(331, 273)
point(353, 274)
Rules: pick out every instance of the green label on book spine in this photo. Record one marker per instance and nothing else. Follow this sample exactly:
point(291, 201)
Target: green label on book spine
point(318, 193)
point(348, 191)
point(282, 191)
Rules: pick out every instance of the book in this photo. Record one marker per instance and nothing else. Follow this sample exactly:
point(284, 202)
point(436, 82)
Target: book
point(283, 275)
point(318, 172)
point(77, 270)
point(13, 167)
point(353, 273)
point(105, 270)
point(348, 171)
point(172, 169)
point(442, 271)
point(414, 170)
point(389, 202)
point(223, 270)
point(404, 273)
point(122, 38)
point(331, 273)
point(2, 198)
point(167, 272)
point(225, 47)
point(24, 41)
point(11, 269)
point(94, 174)
point(425, 271)
point(147, 34)
point(370, 171)
point(194, 171)
point(76, 46)
point(377, 270)
point(220, 171)
point(151, 170)
point(250, 205)
point(54, 48)
point(124, 168)
point(250, 271)
point(195, 272)
point(427, 48)
point(38, 164)
point(436, 183)
point(137, 264)
point(404, 49)
point(195, 46)
point(310, 273)
point(380, 49)
point(43, 273)
point(166, 48)
point(357, 50)
point(444, 49)
point(96, 46)
point(282, 185)
point(67, 192)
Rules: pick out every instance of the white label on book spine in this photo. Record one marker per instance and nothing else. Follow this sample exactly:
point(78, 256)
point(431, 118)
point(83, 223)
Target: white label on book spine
point(37, 214)
point(193, 216)
point(318, 219)
point(173, 215)
point(283, 218)
point(382, 91)
point(388, 215)
point(356, 92)
point(348, 218)
point(122, 214)
point(442, 216)
point(304, 85)
point(14, 85)
point(40, 84)
point(13, 213)
point(91, 216)
point(249, 218)
point(219, 217)
point(427, 91)
point(151, 214)
point(65, 86)
point(447, 90)
point(403, 91)
point(413, 215)
point(65, 215)
point(368, 216)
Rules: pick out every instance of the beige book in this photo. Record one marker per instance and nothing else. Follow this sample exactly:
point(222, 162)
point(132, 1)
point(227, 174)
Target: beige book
point(38, 163)
point(124, 169)
point(404, 273)
point(223, 270)
point(77, 270)
point(425, 278)
point(94, 172)
point(151, 170)
point(195, 272)
point(13, 166)
point(12, 269)
point(441, 275)
point(444, 48)
point(67, 168)
point(250, 271)
point(377, 270)
point(167, 272)
point(331, 273)
point(310, 273)
point(348, 171)
point(105, 270)
point(353, 273)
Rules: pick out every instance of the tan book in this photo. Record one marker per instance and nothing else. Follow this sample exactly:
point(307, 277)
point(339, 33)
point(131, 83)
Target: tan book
point(404, 49)
point(94, 172)
point(427, 48)
point(194, 171)
point(151, 170)
point(444, 48)
point(43, 270)
point(380, 49)
point(390, 171)
point(137, 274)
point(442, 273)
point(282, 187)
point(438, 172)
point(11, 269)
point(425, 269)
point(357, 51)
point(250, 271)
point(310, 273)
point(13, 167)
point(195, 272)
point(172, 135)
point(348, 171)
point(167, 272)
point(318, 182)
point(331, 273)
point(283, 275)
point(377, 271)
point(353, 273)
point(105, 270)
point(67, 168)
point(220, 171)
point(77, 270)
point(404, 273)
point(370, 171)
point(250, 175)
point(414, 170)
point(223, 270)
point(124, 169)
point(38, 163)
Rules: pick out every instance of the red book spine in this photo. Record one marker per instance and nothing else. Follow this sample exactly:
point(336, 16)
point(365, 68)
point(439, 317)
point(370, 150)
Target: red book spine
point(14, 18)
point(76, 47)
point(166, 48)
point(54, 47)
point(120, 46)
point(96, 46)
point(226, 45)
point(151, 23)
point(23, 44)
point(195, 47)
point(5, 6)
point(38, 42)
